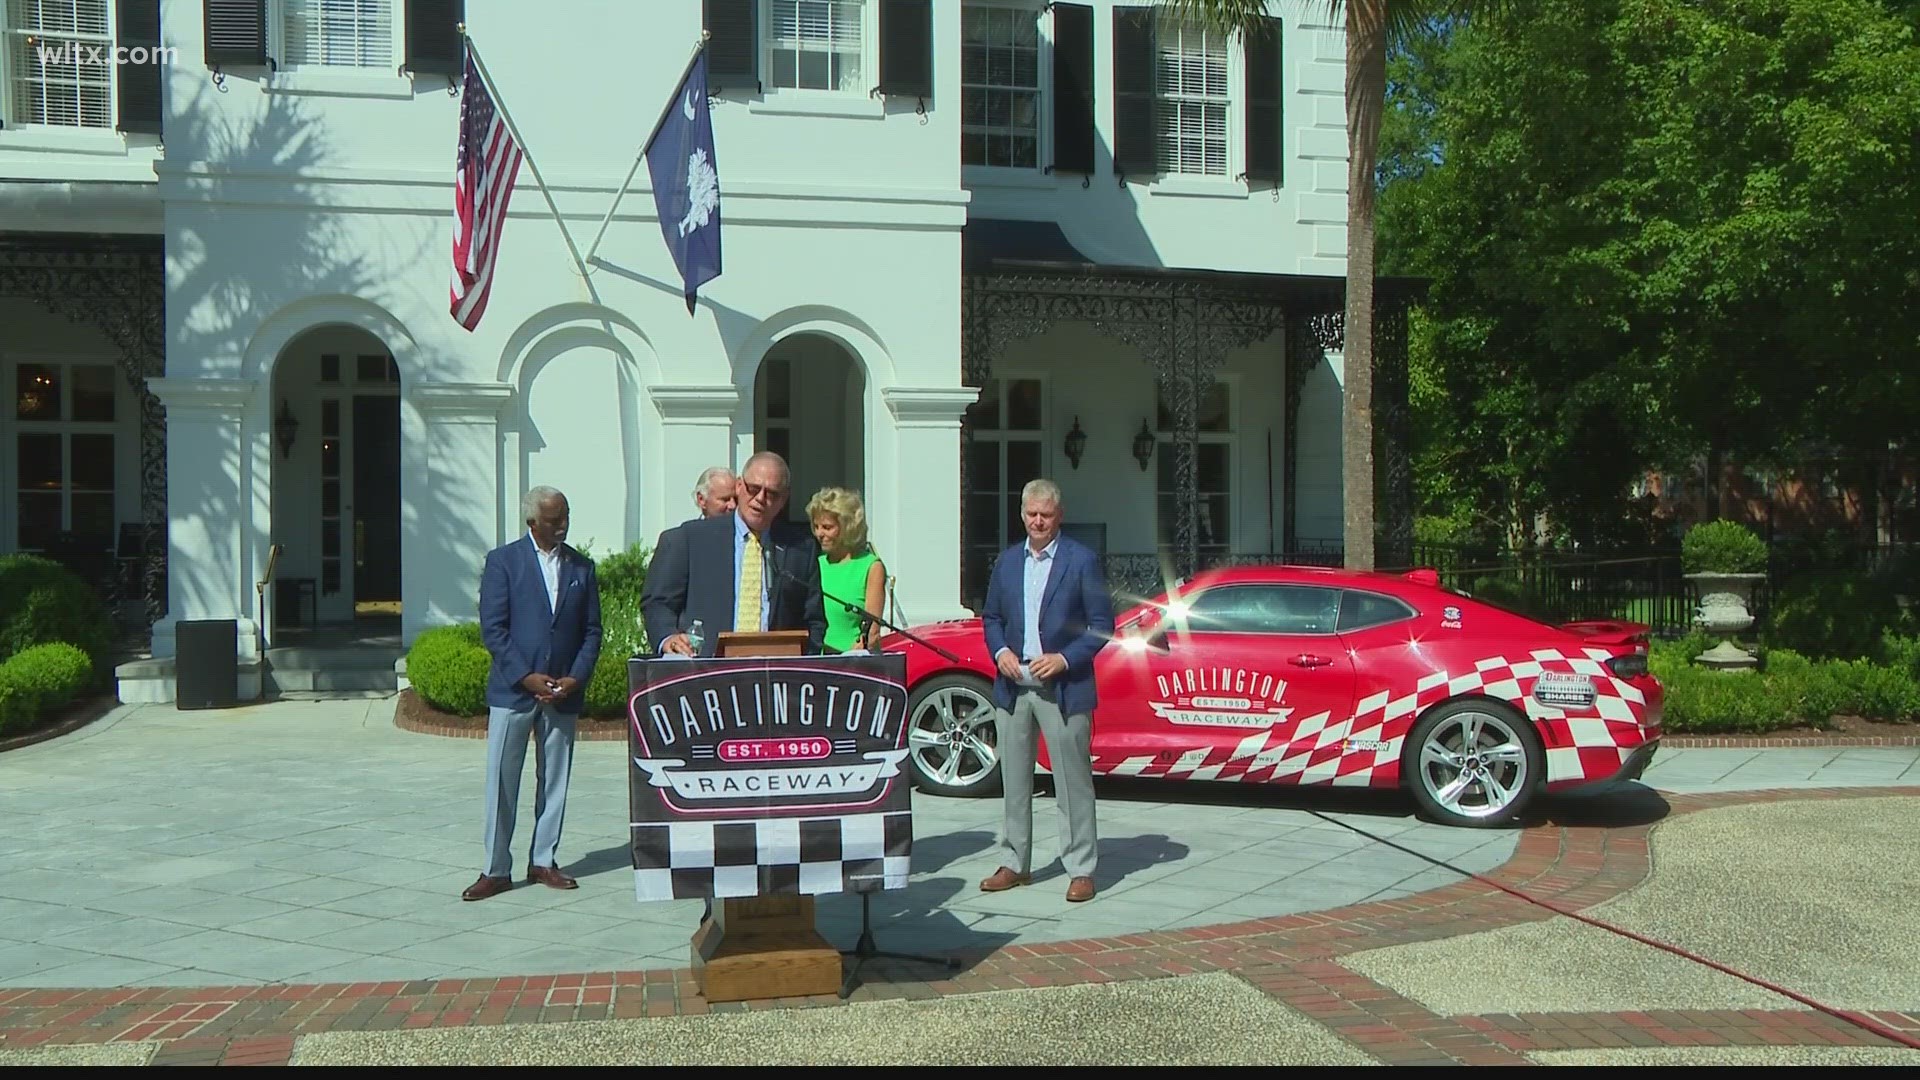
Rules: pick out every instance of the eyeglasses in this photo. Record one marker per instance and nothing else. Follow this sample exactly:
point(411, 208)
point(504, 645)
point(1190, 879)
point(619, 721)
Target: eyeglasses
point(754, 491)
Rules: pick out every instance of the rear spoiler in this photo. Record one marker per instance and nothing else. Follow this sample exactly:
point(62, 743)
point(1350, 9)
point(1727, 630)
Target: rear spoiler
point(1610, 631)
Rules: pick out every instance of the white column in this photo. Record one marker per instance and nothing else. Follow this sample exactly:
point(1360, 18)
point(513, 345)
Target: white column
point(209, 489)
point(925, 512)
point(451, 498)
point(696, 428)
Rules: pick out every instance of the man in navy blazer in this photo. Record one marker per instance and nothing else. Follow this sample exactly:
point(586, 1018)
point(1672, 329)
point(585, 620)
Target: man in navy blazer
point(540, 620)
point(1046, 617)
point(746, 571)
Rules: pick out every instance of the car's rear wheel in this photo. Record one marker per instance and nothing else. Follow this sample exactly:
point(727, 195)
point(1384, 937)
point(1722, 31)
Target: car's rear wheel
point(952, 739)
point(1474, 763)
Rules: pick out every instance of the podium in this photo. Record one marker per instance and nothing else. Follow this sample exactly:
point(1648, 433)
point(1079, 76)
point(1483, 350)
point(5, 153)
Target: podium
point(760, 778)
point(763, 946)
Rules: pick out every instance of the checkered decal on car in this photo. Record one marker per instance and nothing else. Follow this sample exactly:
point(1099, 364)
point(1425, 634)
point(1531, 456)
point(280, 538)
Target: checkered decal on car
point(1580, 748)
point(858, 853)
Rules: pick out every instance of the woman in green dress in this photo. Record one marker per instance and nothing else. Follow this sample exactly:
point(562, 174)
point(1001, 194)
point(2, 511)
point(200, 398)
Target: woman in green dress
point(849, 569)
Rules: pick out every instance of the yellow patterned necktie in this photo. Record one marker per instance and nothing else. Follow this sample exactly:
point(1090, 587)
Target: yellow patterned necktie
point(746, 617)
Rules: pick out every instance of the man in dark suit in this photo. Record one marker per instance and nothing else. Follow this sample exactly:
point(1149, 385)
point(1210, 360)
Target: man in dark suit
point(540, 620)
point(1046, 617)
point(744, 571)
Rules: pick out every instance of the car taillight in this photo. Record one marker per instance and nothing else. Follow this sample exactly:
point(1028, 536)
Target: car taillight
point(1627, 667)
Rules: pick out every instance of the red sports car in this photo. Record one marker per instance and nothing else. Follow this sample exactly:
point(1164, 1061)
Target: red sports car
point(1304, 675)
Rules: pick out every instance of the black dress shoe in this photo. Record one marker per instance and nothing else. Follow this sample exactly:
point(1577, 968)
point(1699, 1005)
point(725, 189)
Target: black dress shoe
point(487, 886)
point(551, 877)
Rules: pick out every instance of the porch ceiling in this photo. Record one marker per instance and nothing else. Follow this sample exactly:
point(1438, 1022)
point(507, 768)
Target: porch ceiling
point(1005, 247)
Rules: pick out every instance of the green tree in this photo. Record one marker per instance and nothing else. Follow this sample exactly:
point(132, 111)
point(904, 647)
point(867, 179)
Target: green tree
point(1371, 25)
point(1654, 228)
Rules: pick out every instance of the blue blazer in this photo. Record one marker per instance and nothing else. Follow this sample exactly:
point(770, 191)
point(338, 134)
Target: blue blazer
point(524, 634)
point(1076, 619)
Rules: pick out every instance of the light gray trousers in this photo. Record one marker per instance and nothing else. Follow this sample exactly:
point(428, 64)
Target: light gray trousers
point(506, 759)
point(1069, 746)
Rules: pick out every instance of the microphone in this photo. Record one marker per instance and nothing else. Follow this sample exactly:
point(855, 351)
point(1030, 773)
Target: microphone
point(858, 610)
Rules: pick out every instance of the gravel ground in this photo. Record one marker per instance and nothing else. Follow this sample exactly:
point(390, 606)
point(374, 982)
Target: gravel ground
point(1212, 1019)
point(1812, 896)
point(126, 1053)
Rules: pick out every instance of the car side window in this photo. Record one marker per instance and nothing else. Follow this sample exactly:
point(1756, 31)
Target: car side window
point(1361, 610)
point(1265, 609)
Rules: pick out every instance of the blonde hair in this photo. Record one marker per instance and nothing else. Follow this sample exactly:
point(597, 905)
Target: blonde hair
point(845, 506)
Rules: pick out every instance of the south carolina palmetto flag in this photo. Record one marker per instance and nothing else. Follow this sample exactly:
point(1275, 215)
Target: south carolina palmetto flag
point(487, 165)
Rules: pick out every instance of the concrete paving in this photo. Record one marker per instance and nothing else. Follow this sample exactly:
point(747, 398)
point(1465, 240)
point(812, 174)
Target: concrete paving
point(1151, 1022)
point(312, 841)
point(1757, 888)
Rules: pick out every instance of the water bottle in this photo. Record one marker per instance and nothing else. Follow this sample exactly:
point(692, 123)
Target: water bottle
point(697, 636)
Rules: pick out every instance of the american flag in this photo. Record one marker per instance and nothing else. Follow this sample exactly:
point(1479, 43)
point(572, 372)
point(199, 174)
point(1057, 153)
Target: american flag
point(482, 184)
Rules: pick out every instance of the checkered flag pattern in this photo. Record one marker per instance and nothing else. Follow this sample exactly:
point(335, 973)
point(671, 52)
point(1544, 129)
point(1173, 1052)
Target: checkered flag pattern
point(709, 859)
point(1315, 751)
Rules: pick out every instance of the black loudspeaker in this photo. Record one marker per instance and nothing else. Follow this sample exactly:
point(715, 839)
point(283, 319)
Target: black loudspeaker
point(206, 664)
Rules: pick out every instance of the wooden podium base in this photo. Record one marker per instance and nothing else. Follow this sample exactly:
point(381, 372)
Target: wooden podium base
point(763, 947)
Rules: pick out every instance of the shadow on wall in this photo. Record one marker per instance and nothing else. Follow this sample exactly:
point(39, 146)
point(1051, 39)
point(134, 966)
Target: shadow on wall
point(231, 267)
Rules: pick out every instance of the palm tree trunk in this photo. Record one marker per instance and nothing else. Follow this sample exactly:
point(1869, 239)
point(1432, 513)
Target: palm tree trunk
point(1366, 92)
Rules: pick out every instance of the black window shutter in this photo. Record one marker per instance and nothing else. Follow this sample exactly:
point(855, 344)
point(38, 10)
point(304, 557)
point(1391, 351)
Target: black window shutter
point(137, 26)
point(236, 32)
point(1133, 91)
point(1263, 102)
point(1072, 88)
point(433, 37)
point(733, 45)
point(906, 48)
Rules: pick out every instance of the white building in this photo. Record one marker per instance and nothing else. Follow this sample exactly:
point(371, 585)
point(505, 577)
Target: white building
point(955, 233)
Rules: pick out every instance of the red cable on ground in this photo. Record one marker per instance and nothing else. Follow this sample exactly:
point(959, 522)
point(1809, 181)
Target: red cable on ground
point(1864, 1022)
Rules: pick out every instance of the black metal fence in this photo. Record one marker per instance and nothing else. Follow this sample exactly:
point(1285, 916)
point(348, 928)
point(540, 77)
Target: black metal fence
point(1641, 585)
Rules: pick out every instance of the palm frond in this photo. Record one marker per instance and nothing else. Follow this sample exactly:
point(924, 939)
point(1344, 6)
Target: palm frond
point(1228, 16)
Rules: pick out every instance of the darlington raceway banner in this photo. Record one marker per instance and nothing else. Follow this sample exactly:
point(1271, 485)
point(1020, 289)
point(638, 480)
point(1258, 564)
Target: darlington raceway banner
point(768, 775)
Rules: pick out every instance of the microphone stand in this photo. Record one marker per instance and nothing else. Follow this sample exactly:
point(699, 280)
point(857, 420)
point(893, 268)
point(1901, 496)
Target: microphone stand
point(866, 948)
point(860, 611)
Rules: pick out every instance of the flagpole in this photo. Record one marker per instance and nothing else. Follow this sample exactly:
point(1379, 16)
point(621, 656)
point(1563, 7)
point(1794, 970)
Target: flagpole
point(698, 48)
point(526, 151)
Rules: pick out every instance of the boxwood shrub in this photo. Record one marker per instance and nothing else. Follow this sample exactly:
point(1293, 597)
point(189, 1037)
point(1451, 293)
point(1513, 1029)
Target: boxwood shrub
point(1790, 690)
point(1722, 547)
point(42, 602)
point(39, 679)
point(447, 666)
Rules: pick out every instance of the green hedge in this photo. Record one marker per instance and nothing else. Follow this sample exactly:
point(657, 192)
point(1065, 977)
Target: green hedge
point(1834, 614)
point(456, 663)
point(43, 602)
point(1724, 547)
point(1790, 690)
point(39, 679)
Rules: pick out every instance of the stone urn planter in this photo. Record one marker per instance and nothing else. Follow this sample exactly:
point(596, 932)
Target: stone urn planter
point(1723, 611)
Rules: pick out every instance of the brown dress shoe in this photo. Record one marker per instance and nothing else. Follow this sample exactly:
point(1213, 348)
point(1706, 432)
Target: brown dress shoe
point(487, 886)
point(551, 877)
point(1004, 879)
point(1079, 889)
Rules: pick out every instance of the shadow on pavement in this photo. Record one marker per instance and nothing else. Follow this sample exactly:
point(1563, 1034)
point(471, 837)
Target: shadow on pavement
point(1621, 805)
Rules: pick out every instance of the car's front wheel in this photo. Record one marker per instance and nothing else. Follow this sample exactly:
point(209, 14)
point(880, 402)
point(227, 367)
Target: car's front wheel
point(1474, 763)
point(952, 738)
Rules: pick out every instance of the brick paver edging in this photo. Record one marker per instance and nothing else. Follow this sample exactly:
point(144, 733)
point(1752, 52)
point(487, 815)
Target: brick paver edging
point(1753, 742)
point(1292, 958)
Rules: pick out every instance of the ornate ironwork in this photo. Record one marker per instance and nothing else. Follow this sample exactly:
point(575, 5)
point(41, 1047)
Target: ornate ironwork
point(1306, 349)
point(118, 286)
point(1184, 329)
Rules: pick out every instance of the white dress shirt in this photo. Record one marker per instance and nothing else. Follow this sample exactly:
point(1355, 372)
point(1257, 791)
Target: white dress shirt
point(550, 570)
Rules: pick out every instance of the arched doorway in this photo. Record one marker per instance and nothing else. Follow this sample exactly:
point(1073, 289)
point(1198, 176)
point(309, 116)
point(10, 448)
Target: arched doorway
point(336, 479)
point(809, 406)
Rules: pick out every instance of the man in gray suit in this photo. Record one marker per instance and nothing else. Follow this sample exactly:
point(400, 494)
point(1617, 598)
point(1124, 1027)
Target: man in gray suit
point(540, 620)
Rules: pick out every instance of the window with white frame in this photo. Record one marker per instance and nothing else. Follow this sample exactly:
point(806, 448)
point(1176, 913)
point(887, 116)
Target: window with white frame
point(815, 44)
point(337, 34)
point(1000, 85)
point(1213, 471)
point(63, 454)
point(1192, 102)
point(57, 61)
point(1008, 448)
